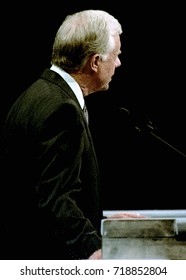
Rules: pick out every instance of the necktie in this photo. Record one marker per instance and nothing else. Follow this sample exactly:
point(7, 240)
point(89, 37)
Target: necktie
point(85, 111)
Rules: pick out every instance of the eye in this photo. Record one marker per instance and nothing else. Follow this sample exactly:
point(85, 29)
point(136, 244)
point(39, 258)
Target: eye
point(116, 55)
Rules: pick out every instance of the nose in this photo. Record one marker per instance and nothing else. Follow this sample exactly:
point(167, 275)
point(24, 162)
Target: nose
point(117, 63)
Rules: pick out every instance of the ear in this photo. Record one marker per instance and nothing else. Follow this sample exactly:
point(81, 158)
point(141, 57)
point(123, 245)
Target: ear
point(95, 60)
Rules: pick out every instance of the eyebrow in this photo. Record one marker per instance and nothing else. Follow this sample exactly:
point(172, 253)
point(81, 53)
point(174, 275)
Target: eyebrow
point(117, 53)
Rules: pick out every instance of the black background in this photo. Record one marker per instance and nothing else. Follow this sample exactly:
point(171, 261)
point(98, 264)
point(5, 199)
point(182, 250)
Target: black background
point(138, 171)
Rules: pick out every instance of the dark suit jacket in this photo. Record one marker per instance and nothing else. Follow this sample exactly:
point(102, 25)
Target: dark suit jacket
point(51, 196)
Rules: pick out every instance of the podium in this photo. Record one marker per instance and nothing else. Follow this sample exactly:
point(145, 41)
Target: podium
point(144, 238)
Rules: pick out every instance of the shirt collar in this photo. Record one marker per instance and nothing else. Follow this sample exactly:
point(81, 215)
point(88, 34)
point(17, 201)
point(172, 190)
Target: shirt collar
point(71, 82)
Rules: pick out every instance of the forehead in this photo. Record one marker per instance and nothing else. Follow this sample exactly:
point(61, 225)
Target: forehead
point(117, 48)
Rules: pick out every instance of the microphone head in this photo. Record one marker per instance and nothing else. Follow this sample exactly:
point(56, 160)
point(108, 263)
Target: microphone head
point(140, 124)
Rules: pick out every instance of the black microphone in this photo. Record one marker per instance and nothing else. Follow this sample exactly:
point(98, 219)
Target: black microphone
point(147, 127)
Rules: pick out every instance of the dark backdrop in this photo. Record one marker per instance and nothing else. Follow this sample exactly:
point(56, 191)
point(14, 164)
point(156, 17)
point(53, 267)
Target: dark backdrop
point(138, 171)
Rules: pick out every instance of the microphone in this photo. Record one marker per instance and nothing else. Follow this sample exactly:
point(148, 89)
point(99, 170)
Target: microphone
point(148, 127)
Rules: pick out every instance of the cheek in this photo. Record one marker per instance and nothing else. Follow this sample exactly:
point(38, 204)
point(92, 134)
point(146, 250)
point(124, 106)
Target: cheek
point(110, 69)
point(107, 72)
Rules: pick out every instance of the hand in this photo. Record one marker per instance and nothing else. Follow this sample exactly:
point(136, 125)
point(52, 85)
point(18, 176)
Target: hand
point(126, 215)
point(97, 255)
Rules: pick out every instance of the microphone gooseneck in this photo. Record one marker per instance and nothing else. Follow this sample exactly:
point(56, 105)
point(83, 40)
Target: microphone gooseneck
point(148, 127)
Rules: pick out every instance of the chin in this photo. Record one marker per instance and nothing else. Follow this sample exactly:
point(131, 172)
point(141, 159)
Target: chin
point(105, 88)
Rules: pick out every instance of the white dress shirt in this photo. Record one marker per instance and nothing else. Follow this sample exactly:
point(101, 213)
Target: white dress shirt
point(72, 83)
